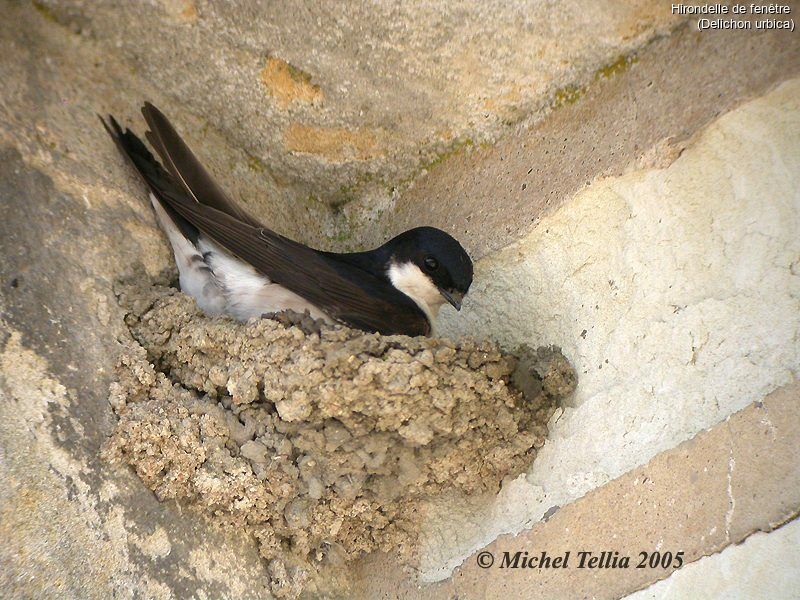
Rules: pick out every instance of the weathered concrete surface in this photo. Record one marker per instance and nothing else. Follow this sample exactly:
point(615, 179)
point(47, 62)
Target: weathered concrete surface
point(674, 292)
point(75, 219)
point(765, 566)
point(741, 476)
point(71, 526)
point(54, 85)
point(66, 535)
point(328, 99)
point(636, 113)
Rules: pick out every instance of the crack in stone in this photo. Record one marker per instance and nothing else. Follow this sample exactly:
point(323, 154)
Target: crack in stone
point(731, 499)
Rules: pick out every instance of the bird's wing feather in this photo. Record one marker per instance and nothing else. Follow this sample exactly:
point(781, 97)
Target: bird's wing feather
point(157, 179)
point(185, 168)
point(191, 196)
point(344, 292)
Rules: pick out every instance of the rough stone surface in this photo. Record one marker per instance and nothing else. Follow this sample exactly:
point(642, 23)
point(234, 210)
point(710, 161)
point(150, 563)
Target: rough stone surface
point(75, 219)
point(697, 498)
point(764, 566)
point(71, 526)
point(675, 294)
point(320, 441)
point(333, 101)
point(636, 113)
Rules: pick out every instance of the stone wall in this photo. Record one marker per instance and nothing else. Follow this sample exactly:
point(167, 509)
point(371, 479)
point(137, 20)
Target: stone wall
point(628, 184)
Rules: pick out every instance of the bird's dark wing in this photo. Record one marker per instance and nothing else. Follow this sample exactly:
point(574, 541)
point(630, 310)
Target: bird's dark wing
point(157, 179)
point(185, 168)
point(342, 291)
point(195, 202)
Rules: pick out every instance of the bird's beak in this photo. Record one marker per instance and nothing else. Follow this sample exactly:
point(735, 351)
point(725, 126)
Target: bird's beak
point(453, 297)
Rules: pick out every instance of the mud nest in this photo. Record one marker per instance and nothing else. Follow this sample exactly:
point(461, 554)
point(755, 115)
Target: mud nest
point(322, 441)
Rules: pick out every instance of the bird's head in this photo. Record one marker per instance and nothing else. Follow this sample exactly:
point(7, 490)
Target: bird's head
point(430, 267)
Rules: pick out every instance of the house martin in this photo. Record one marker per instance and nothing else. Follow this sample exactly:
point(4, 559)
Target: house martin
point(232, 264)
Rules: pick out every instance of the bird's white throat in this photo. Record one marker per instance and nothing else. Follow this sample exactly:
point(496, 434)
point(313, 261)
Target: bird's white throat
point(409, 279)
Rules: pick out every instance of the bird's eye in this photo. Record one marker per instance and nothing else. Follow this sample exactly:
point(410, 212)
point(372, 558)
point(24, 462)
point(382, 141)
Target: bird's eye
point(431, 264)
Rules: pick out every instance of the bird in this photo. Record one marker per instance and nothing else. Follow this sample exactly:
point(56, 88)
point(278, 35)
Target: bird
point(234, 265)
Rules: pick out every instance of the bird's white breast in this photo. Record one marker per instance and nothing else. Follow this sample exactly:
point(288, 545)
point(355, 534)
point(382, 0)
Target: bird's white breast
point(248, 292)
